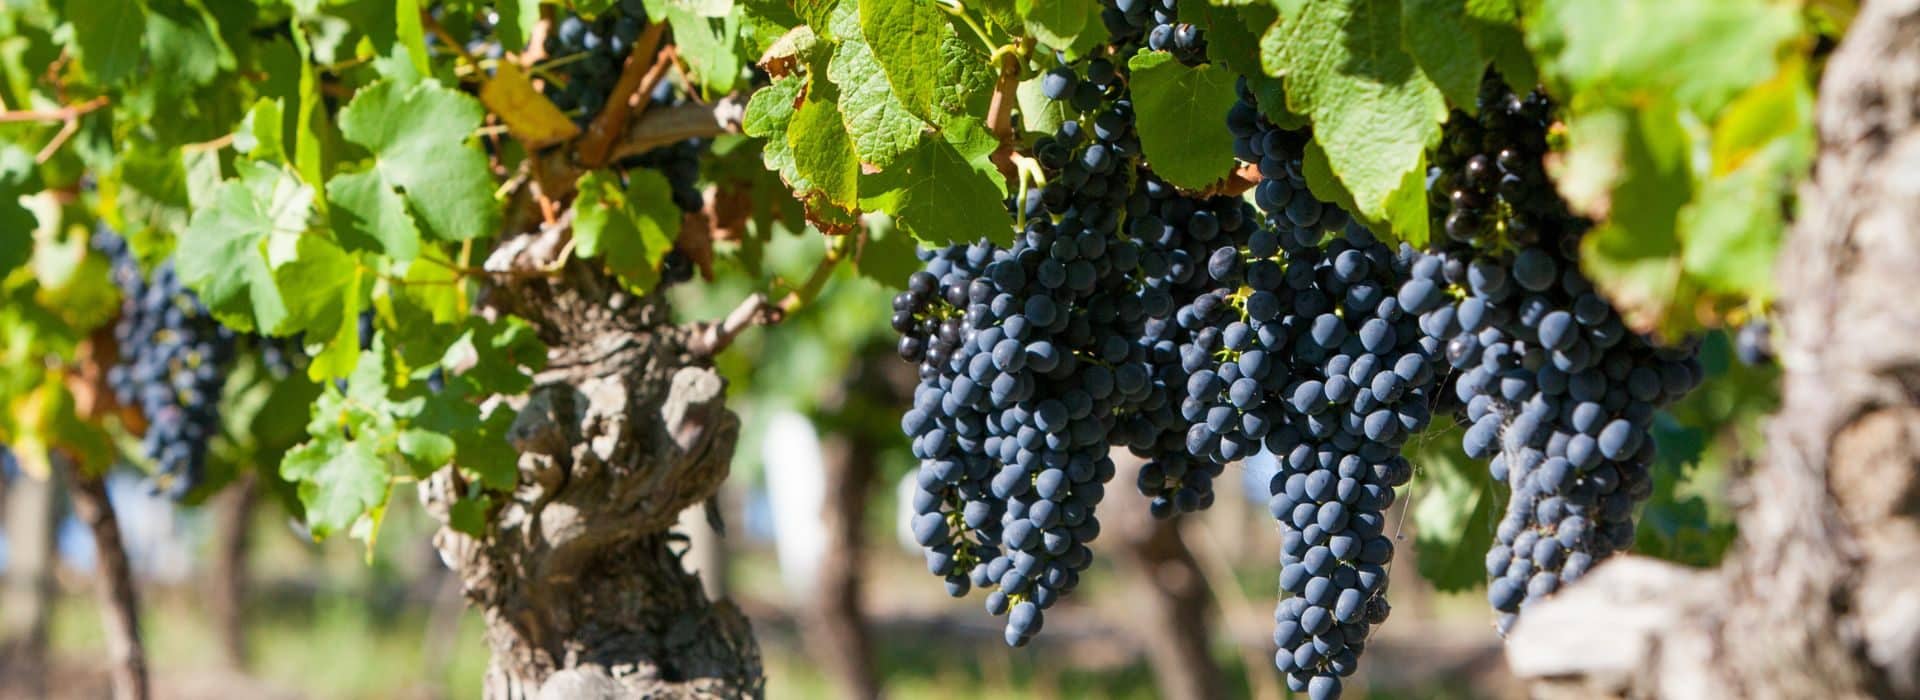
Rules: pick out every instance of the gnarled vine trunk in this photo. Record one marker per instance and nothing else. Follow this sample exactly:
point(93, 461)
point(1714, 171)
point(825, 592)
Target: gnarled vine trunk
point(1821, 595)
point(578, 576)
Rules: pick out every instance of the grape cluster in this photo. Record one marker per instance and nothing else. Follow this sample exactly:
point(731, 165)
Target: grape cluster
point(1558, 393)
point(1159, 21)
point(172, 364)
point(1179, 233)
point(590, 54)
point(1487, 188)
point(1026, 354)
point(1356, 378)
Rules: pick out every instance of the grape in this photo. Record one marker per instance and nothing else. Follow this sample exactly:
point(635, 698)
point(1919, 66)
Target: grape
point(1352, 379)
point(172, 364)
point(1027, 355)
point(1560, 396)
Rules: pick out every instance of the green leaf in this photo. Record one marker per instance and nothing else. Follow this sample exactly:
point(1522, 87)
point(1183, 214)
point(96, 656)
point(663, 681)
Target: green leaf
point(889, 255)
point(1633, 255)
point(409, 30)
point(1166, 97)
point(17, 177)
point(881, 127)
point(948, 190)
point(1039, 115)
point(1060, 22)
point(767, 117)
point(1441, 40)
point(1454, 517)
point(517, 20)
point(222, 255)
point(1698, 53)
point(709, 45)
point(485, 450)
point(366, 214)
point(425, 450)
point(824, 156)
point(469, 515)
point(630, 228)
point(320, 283)
point(933, 72)
point(340, 480)
point(1373, 111)
point(420, 139)
point(107, 35)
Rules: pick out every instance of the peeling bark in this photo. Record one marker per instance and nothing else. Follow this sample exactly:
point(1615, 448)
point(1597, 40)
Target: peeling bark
point(1820, 597)
point(578, 577)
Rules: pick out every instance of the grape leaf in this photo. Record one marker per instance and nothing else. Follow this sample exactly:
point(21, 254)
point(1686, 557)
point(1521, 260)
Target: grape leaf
point(517, 20)
point(18, 176)
point(882, 128)
point(1633, 255)
point(768, 115)
point(222, 254)
point(339, 480)
point(1454, 517)
point(630, 228)
point(889, 255)
point(530, 116)
point(366, 214)
point(824, 156)
point(420, 141)
point(107, 36)
point(411, 31)
point(1438, 35)
point(1373, 111)
point(1166, 97)
point(469, 515)
point(1039, 115)
point(946, 190)
point(933, 72)
point(1059, 22)
point(708, 43)
point(1698, 53)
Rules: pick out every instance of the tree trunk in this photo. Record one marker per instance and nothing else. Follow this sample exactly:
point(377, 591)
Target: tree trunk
point(835, 627)
point(578, 577)
point(1821, 595)
point(227, 579)
point(119, 602)
point(32, 518)
point(1168, 592)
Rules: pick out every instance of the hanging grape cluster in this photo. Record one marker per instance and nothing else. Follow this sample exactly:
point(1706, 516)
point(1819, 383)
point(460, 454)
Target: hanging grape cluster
point(1558, 393)
point(173, 359)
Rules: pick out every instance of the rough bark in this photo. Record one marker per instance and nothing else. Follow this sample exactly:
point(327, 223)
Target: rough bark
point(227, 578)
point(1169, 596)
point(578, 576)
point(119, 602)
point(1821, 595)
point(835, 627)
point(32, 520)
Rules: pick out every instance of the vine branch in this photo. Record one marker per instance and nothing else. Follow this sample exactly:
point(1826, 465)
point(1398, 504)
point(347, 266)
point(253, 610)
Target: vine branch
point(756, 310)
point(593, 147)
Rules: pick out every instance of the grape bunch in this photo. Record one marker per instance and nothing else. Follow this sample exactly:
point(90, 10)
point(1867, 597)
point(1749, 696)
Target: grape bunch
point(1487, 188)
point(1356, 379)
point(590, 54)
point(1558, 393)
point(1026, 354)
point(1159, 21)
point(1178, 234)
point(173, 358)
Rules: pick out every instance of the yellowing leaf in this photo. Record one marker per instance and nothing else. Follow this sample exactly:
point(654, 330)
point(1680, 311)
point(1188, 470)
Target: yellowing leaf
point(529, 115)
